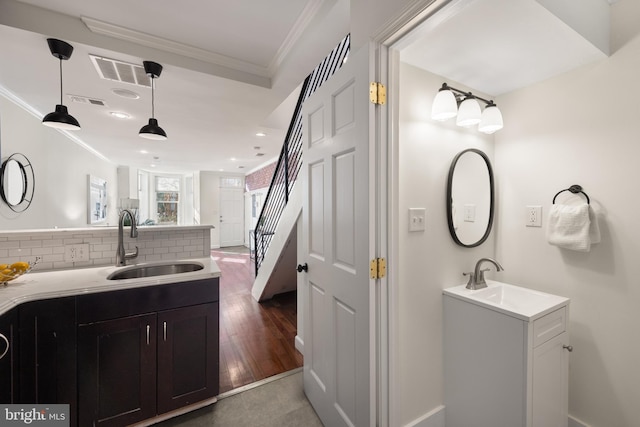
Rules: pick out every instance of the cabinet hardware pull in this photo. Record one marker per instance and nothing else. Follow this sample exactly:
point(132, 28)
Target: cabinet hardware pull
point(148, 330)
point(569, 348)
point(164, 328)
point(6, 341)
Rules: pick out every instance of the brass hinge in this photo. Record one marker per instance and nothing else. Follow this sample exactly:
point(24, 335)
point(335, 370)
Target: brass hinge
point(378, 268)
point(377, 93)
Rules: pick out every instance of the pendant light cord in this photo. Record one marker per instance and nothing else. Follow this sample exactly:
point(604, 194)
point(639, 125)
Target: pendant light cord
point(60, 81)
point(153, 115)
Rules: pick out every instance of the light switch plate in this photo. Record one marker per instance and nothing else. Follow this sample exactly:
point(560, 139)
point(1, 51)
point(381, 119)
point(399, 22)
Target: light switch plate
point(417, 219)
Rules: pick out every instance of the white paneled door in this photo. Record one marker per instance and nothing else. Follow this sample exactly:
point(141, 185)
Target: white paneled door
point(231, 217)
point(338, 360)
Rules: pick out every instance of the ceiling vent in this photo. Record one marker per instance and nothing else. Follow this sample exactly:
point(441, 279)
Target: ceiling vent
point(118, 71)
point(86, 100)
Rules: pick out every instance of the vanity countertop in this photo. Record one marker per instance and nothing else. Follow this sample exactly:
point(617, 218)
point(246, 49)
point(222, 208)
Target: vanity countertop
point(515, 301)
point(62, 283)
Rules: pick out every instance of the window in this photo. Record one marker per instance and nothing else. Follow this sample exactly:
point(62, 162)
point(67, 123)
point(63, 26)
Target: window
point(167, 199)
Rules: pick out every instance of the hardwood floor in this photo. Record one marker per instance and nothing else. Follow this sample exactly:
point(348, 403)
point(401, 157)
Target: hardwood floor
point(256, 339)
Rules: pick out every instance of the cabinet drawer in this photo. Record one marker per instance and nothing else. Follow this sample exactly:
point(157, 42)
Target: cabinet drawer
point(549, 326)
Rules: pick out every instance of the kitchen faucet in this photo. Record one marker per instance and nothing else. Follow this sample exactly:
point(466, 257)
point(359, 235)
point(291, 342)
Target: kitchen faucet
point(476, 279)
point(121, 255)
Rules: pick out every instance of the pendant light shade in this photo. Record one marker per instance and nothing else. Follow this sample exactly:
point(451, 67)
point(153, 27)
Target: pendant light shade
point(469, 113)
point(60, 118)
point(152, 130)
point(491, 119)
point(444, 104)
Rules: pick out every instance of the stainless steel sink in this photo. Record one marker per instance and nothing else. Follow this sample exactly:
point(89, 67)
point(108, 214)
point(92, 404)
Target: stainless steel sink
point(149, 270)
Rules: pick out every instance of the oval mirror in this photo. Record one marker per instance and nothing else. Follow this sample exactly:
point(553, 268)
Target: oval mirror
point(470, 198)
point(13, 182)
point(17, 182)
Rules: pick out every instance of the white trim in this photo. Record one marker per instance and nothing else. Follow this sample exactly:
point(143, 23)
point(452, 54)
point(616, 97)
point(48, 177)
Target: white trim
point(294, 34)
point(299, 344)
point(133, 36)
point(574, 422)
point(433, 418)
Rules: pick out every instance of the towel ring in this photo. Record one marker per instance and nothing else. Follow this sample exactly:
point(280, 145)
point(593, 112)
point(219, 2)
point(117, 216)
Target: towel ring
point(575, 189)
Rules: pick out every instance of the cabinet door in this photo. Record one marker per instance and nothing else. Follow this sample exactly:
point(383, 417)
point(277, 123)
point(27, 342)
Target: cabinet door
point(117, 365)
point(48, 353)
point(187, 356)
point(551, 383)
point(8, 362)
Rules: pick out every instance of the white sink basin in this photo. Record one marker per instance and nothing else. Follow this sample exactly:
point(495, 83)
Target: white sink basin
point(516, 301)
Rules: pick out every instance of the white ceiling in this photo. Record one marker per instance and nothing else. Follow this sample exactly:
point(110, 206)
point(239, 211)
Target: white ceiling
point(497, 46)
point(231, 68)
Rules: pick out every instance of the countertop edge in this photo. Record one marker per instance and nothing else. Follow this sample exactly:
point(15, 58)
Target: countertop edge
point(38, 286)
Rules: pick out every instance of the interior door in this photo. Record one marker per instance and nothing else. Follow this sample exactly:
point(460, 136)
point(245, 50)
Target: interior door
point(231, 217)
point(338, 361)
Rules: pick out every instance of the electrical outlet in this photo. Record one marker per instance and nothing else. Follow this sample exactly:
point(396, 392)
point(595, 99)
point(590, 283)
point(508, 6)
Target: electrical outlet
point(76, 253)
point(470, 213)
point(533, 216)
point(417, 219)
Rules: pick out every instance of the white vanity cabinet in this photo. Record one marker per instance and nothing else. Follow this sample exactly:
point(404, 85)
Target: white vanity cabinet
point(506, 363)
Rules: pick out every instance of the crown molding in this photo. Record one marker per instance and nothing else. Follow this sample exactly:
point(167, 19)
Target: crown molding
point(159, 43)
point(303, 21)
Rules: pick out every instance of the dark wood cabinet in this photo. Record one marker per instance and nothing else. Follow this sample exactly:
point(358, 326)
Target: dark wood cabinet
point(8, 361)
point(117, 385)
point(146, 351)
point(188, 359)
point(47, 331)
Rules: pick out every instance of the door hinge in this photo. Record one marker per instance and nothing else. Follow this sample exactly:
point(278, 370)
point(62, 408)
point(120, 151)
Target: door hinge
point(377, 93)
point(378, 268)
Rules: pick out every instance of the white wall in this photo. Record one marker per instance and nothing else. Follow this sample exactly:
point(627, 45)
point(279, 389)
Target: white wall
point(428, 261)
point(61, 167)
point(209, 203)
point(582, 128)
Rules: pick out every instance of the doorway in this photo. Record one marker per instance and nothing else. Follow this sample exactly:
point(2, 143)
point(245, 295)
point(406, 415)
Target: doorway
point(256, 339)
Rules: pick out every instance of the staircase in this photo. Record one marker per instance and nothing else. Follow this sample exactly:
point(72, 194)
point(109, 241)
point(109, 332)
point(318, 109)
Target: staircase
point(275, 231)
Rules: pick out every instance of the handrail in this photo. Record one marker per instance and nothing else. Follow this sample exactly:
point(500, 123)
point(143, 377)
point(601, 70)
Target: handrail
point(290, 159)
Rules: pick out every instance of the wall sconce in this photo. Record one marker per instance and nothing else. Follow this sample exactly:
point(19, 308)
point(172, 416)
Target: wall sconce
point(451, 102)
point(152, 130)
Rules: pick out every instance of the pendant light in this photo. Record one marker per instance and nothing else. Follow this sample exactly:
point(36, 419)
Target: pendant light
point(491, 119)
point(152, 130)
point(60, 118)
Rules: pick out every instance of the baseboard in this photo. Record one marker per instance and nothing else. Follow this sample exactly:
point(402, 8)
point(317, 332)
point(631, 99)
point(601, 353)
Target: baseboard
point(433, 418)
point(574, 422)
point(299, 344)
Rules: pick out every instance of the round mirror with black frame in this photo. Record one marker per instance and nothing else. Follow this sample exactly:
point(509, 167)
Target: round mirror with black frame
point(17, 182)
point(470, 198)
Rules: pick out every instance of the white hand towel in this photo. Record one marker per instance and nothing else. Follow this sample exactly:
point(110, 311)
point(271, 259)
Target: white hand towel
point(594, 229)
point(568, 227)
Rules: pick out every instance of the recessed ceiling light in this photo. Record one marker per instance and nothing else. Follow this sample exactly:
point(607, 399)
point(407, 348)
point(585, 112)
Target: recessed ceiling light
point(233, 159)
point(144, 152)
point(125, 93)
point(119, 114)
point(257, 147)
point(153, 166)
point(240, 167)
point(261, 134)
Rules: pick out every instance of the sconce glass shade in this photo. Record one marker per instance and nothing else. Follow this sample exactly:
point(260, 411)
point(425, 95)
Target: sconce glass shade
point(469, 113)
point(444, 106)
point(491, 119)
point(153, 131)
point(61, 119)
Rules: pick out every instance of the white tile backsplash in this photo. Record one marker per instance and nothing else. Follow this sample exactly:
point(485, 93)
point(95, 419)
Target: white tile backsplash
point(153, 244)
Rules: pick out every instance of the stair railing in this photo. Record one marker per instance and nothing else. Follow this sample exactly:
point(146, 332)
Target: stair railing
point(290, 159)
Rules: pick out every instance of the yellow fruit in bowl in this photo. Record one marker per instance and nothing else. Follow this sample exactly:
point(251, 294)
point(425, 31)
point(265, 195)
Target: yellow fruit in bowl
point(3, 266)
point(20, 266)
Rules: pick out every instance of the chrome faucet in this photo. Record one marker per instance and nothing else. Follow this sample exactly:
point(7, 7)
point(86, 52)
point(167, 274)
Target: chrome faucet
point(121, 255)
point(476, 279)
